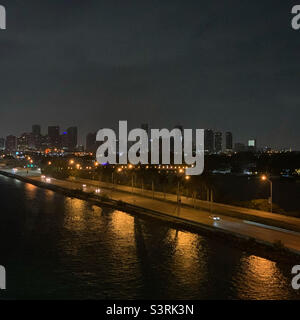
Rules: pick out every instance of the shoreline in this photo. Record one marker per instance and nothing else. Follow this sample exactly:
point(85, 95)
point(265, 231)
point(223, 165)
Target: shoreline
point(246, 243)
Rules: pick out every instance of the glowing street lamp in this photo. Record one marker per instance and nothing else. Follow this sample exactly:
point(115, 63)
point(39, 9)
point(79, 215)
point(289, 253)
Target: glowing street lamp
point(265, 178)
point(112, 175)
point(179, 177)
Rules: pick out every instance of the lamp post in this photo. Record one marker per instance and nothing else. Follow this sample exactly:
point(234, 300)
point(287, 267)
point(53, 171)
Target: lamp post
point(178, 190)
point(179, 176)
point(265, 178)
point(119, 170)
point(187, 178)
point(132, 183)
point(152, 189)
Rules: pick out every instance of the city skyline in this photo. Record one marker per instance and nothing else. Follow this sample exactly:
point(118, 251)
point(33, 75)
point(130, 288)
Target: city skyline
point(55, 136)
point(206, 64)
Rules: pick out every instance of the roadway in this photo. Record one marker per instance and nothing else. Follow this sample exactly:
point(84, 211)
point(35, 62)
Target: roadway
point(269, 234)
point(279, 220)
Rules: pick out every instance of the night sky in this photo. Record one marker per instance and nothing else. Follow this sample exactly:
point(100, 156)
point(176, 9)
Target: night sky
point(225, 65)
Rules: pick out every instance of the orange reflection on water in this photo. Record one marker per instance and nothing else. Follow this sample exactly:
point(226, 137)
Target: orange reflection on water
point(261, 278)
point(262, 268)
point(30, 190)
point(123, 247)
point(185, 248)
point(49, 194)
point(123, 225)
point(187, 258)
point(184, 240)
point(74, 220)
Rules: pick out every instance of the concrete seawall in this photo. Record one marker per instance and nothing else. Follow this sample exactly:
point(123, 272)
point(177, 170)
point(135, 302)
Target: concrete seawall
point(264, 248)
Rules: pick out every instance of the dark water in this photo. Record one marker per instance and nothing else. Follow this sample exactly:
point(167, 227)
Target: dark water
point(57, 247)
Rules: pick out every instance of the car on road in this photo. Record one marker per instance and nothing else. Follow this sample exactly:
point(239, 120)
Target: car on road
point(215, 218)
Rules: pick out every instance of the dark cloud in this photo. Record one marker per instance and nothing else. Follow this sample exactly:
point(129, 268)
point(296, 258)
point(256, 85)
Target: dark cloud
point(230, 65)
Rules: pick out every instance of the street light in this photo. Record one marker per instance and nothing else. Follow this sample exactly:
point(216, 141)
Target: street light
point(112, 175)
point(265, 178)
point(179, 176)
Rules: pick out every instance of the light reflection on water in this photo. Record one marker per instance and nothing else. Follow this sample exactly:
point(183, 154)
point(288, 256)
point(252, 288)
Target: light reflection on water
point(264, 279)
point(30, 191)
point(187, 259)
point(58, 247)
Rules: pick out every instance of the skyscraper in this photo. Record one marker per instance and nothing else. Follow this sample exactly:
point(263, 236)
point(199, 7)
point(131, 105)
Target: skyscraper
point(208, 140)
point(252, 145)
point(64, 141)
point(11, 143)
point(2, 143)
point(25, 141)
point(72, 134)
point(36, 136)
point(54, 136)
point(36, 130)
point(218, 141)
point(229, 139)
point(91, 145)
